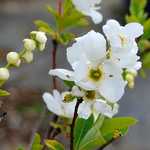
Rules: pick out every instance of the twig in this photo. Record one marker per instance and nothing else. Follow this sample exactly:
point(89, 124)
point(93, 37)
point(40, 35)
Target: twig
point(73, 123)
point(108, 143)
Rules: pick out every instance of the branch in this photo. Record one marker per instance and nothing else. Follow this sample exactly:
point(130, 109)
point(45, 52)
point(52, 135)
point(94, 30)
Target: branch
point(79, 101)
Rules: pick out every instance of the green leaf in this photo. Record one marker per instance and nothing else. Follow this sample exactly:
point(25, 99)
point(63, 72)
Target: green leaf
point(4, 93)
point(137, 11)
point(45, 27)
point(146, 60)
point(69, 84)
point(93, 139)
point(113, 124)
point(81, 128)
point(36, 143)
point(54, 145)
point(65, 38)
point(146, 29)
point(104, 131)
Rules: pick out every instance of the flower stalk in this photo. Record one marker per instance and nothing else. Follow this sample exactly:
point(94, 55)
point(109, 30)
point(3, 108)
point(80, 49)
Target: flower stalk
point(73, 123)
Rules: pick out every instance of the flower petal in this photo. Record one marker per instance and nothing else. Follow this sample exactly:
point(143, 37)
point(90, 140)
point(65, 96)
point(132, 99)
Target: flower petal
point(134, 30)
point(103, 108)
point(62, 73)
point(53, 104)
point(84, 110)
point(112, 87)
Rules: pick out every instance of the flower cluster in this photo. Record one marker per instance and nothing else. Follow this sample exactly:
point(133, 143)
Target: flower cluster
point(89, 8)
point(37, 41)
point(101, 70)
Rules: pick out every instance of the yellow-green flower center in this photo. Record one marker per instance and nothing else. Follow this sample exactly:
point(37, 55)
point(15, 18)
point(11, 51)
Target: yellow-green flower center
point(95, 74)
point(90, 95)
point(68, 98)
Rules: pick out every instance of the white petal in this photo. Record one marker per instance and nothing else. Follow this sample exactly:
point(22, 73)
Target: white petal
point(53, 104)
point(84, 110)
point(96, 16)
point(103, 108)
point(86, 85)
point(77, 92)
point(112, 87)
point(88, 8)
point(69, 109)
point(62, 73)
point(94, 45)
point(134, 30)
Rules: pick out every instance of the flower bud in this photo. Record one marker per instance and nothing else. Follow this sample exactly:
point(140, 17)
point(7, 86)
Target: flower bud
point(4, 74)
point(42, 46)
point(129, 77)
point(131, 85)
point(13, 58)
point(29, 44)
point(28, 56)
point(41, 37)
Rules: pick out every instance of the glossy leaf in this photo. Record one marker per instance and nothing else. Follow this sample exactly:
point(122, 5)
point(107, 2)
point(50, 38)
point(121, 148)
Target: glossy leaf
point(93, 139)
point(81, 128)
point(4, 93)
point(54, 145)
point(36, 143)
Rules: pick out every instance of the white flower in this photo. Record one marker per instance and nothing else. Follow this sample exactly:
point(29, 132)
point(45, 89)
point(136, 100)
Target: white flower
point(56, 105)
point(13, 58)
point(92, 71)
point(123, 47)
point(28, 56)
point(89, 8)
point(29, 44)
point(97, 107)
point(4, 74)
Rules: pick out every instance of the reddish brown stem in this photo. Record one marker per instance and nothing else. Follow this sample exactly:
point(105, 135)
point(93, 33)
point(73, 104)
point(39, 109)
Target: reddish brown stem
point(59, 6)
point(54, 51)
point(73, 123)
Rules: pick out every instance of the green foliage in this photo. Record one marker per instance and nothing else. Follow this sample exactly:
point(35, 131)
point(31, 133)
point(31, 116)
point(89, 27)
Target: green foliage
point(69, 84)
point(4, 93)
point(36, 145)
point(54, 145)
point(81, 128)
point(137, 11)
point(103, 131)
point(70, 18)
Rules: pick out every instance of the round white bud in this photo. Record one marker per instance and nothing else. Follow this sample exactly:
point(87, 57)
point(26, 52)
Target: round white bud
point(4, 74)
point(28, 56)
point(13, 58)
point(29, 44)
point(41, 37)
point(42, 46)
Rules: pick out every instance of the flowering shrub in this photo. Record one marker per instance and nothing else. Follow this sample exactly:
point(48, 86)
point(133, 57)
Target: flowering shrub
point(103, 65)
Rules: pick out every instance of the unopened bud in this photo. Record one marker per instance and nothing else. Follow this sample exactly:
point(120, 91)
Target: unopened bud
point(129, 77)
point(41, 37)
point(28, 56)
point(29, 44)
point(42, 46)
point(13, 58)
point(4, 74)
point(131, 85)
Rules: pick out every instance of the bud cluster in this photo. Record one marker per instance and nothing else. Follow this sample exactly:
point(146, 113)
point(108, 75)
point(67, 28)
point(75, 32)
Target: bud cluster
point(37, 40)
